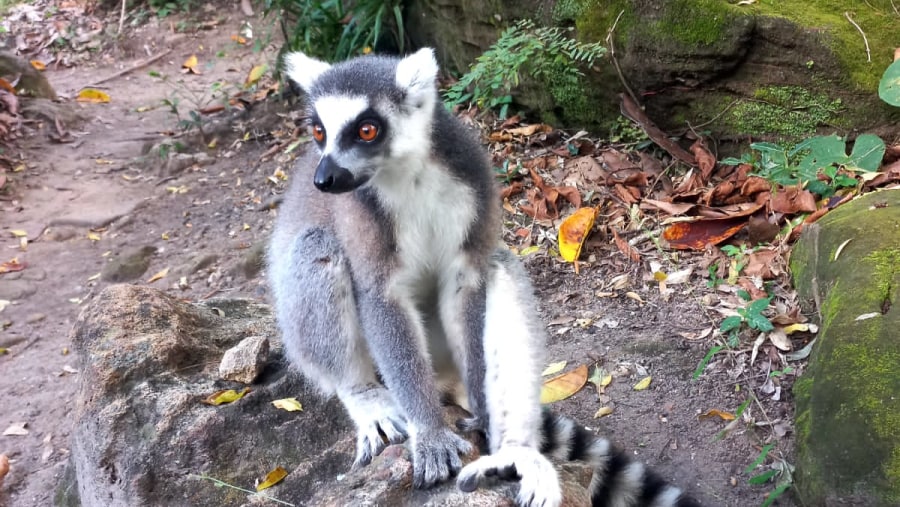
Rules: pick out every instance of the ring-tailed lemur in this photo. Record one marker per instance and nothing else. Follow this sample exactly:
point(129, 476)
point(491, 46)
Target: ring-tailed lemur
point(390, 286)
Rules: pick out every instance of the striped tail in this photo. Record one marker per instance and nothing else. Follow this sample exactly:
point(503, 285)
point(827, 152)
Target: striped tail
point(617, 481)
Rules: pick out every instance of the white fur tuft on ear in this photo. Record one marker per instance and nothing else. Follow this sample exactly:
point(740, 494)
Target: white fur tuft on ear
point(303, 70)
point(417, 72)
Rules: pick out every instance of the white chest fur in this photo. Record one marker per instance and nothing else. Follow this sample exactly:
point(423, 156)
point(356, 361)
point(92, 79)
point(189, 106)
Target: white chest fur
point(432, 212)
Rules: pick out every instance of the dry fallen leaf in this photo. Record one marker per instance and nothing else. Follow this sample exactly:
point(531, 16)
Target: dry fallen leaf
point(272, 478)
point(600, 378)
point(190, 65)
point(709, 414)
point(255, 73)
point(554, 368)
point(160, 274)
point(12, 265)
point(289, 404)
point(699, 234)
point(565, 385)
point(643, 384)
point(779, 338)
point(603, 412)
point(92, 95)
point(38, 65)
point(225, 396)
point(16, 429)
point(573, 231)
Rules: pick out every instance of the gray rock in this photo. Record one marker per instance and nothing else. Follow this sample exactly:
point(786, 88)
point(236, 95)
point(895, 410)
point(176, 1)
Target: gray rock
point(143, 437)
point(244, 362)
point(128, 266)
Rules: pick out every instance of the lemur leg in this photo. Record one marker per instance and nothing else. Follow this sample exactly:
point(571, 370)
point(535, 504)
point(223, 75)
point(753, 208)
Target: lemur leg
point(395, 331)
point(320, 326)
point(514, 341)
point(461, 303)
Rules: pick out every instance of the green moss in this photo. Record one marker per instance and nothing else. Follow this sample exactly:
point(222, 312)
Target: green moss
point(886, 265)
point(788, 111)
point(694, 22)
point(875, 17)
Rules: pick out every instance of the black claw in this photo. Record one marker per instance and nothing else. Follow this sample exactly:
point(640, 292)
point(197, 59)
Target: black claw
point(509, 473)
point(468, 484)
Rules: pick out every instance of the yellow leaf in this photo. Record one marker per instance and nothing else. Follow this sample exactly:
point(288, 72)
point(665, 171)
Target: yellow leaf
point(255, 73)
point(92, 95)
point(565, 385)
point(709, 414)
point(93, 236)
point(245, 227)
point(603, 412)
point(573, 231)
point(528, 250)
point(553, 368)
point(165, 236)
point(19, 233)
point(39, 65)
point(3, 351)
point(289, 404)
point(272, 478)
point(212, 144)
point(190, 65)
point(643, 384)
point(601, 378)
point(160, 274)
point(225, 396)
point(793, 328)
point(19, 168)
point(659, 276)
point(143, 109)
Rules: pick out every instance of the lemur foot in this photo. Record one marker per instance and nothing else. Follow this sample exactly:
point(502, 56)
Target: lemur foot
point(378, 421)
point(436, 456)
point(539, 482)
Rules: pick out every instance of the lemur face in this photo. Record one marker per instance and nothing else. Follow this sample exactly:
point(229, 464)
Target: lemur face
point(362, 121)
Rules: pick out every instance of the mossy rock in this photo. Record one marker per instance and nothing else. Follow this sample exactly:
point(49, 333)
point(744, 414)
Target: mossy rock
point(848, 400)
point(776, 69)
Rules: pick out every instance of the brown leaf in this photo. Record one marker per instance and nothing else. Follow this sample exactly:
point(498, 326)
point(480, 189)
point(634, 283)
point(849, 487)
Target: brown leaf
point(730, 211)
point(793, 200)
point(700, 234)
point(625, 248)
point(672, 208)
point(760, 230)
point(751, 288)
point(627, 194)
point(633, 112)
point(762, 263)
point(754, 185)
point(512, 189)
point(705, 160)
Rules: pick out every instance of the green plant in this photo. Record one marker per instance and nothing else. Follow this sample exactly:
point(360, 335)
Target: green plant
point(751, 315)
point(163, 8)
point(335, 29)
point(820, 163)
point(781, 471)
point(540, 52)
point(889, 86)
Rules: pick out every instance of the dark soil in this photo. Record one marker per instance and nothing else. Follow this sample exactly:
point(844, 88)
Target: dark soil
point(208, 224)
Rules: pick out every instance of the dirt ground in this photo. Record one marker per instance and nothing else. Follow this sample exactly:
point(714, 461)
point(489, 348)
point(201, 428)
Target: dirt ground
point(207, 223)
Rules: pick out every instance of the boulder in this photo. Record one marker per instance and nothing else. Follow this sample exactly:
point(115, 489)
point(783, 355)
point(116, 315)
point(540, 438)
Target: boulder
point(847, 269)
point(770, 68)
point(143, 436)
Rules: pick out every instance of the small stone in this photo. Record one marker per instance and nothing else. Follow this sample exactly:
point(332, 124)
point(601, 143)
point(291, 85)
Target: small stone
point(244, 362)
point(35, 317)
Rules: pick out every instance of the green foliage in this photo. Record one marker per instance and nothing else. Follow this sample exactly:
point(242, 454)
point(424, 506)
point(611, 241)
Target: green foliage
point(334, 29)
point(163, 8)
point(819, 156)
point(889, 87)
point(543, 53)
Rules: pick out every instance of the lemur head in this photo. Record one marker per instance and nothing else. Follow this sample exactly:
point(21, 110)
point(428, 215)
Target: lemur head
point(369, 114)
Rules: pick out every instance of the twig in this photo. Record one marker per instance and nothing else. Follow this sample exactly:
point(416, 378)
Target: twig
point(223, 484)
point(866, 40)
point(612, 55)
point(894, 6)
point(121, 19)
point(133, 68)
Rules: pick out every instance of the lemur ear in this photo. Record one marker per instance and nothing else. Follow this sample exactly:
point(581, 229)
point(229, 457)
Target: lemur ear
point(303, 70)
point(417, 73)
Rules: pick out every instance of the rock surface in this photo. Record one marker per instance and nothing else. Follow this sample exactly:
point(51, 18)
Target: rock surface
point(143, 437)
point(848, 401)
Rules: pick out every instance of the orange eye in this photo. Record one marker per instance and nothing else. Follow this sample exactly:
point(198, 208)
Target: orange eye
point(368, 131)
point(318, 132)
